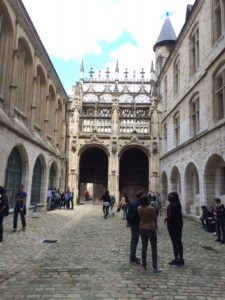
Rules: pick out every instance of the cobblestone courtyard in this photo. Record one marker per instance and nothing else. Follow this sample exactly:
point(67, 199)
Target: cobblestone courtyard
point(90, 260)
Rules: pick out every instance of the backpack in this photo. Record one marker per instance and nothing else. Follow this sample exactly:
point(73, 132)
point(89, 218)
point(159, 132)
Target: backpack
point(6, 210)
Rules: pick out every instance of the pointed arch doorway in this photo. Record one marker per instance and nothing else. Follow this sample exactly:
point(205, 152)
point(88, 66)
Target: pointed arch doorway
point(134, 172)
point(93, 174)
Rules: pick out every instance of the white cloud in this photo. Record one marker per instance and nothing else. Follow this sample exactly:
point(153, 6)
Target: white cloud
point(71, 28)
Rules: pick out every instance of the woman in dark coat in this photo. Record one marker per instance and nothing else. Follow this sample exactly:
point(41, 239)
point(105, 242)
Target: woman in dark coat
point(3, 206)
point(174, 222)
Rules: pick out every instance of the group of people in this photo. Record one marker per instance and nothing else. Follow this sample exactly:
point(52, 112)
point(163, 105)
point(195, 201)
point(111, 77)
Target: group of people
point(57, 199)
point(142, 220)
point(213, 220)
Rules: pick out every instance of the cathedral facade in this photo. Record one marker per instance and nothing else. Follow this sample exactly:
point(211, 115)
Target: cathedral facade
point(113, 136)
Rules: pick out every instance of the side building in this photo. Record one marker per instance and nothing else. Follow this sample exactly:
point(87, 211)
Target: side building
point(32, 110)
point(190, 72)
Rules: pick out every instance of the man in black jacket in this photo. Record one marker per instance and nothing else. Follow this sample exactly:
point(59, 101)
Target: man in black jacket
point(133, 220)
point(220, 221)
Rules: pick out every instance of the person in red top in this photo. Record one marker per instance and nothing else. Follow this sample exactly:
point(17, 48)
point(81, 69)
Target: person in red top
point(174, 222)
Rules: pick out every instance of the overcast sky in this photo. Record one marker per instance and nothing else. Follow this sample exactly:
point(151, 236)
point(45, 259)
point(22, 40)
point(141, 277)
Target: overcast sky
point(101, 32)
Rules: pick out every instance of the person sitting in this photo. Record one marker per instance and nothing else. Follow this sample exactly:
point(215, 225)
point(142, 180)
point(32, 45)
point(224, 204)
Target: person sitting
point(211, 220)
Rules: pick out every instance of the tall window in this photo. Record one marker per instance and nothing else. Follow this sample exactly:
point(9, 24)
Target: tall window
point(165, 94)
point(177, 129)
point(24, 73)
point(165, 136)
point(219, 104)
point(222, 182)
point(159, 64)
point(218, 18)
point(41, 92)
point(176, 76)
point(194, 111)
point(194, 51)
point(5, 51)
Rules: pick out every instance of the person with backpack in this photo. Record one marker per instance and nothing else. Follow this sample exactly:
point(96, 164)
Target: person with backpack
point(156, 204)
point(133, 220)
point(4, 209)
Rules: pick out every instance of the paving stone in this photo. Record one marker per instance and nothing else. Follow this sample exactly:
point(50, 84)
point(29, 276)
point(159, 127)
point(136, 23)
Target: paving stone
point(90, 260)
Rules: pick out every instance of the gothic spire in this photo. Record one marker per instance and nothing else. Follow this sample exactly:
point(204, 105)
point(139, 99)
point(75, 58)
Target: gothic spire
point(82, 70)
point(167, 34)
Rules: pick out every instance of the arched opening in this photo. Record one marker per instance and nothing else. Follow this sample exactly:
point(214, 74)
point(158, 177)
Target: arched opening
point(134, 172)
point(175, 181)
point(164, 189)
point(214, 179)
point(36, 183)
point(13, 175)
point(192, 190)
point(93, 174)
point(52, 176)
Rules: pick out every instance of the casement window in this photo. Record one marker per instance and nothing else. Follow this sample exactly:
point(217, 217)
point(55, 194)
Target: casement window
point(194, 116)
point(176, 76)
point(194, 51)
point(176, 122)
point(218, 11)
point(165, 94)
point(165, 137)
point(219, 94)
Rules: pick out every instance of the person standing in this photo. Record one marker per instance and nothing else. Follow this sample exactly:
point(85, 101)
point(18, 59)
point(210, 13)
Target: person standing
point(20, 208)
point(133, 220)
point(3, 206)
point(68, 196)
point(220, 221)
point(124, 205)
point(174, 222)
point(148, 223)
point(71, 199)
point(106, 201)
point(49, 199)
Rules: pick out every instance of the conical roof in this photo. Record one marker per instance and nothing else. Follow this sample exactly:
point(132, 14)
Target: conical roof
point(167, 34)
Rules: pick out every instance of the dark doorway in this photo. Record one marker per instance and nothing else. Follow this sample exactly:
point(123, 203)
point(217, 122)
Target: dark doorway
point(93, 175)
point(134, 172)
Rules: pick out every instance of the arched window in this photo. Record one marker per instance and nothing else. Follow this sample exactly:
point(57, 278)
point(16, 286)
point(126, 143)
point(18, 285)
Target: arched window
point(40, 96)
point(36, 183)
point(5, 49)
point(52, 176)
point(24, 75)
point(13, 175)
point(50, 112)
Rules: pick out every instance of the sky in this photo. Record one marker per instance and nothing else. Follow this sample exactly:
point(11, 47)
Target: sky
point(102, 32)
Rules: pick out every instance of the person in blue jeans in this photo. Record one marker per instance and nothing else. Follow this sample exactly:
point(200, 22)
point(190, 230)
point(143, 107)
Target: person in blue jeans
point(133, 220)
point(20, 208)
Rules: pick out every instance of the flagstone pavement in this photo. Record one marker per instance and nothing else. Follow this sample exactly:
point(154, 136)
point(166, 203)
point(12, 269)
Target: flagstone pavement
point(77, 254)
